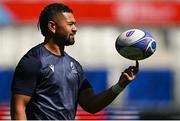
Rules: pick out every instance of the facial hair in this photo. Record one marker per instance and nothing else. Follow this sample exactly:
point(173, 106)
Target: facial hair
point(64, 40)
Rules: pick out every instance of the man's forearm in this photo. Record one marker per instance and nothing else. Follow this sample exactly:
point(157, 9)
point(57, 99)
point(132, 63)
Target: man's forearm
point(18, 114)
point(97, 102)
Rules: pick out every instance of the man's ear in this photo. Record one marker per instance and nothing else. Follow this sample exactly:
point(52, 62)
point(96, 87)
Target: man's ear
point(52, 26)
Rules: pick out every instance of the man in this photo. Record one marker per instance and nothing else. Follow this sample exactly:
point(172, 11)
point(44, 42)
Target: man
point(48, 83)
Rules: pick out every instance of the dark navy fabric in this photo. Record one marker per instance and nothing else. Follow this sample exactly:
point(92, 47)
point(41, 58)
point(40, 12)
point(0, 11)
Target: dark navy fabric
point(53, 82)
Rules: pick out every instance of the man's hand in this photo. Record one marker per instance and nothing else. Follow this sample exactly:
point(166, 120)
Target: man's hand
point(128, 75)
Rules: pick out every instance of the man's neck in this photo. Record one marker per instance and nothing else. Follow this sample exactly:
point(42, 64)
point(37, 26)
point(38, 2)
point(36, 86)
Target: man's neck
point(54, 48)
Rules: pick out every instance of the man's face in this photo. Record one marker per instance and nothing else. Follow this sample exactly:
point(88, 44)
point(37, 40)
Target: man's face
point(65, 29)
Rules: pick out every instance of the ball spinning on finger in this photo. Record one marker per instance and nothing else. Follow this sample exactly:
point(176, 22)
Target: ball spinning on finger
point(135, 44)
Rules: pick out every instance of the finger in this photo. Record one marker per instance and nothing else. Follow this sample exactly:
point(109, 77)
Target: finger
point(123, 75)
point(126, 75)
point(133, 70)
point(137, 67)
point(129, 76)
point(131, 67)
point(127, 70)
point(130, 71)
point(137, 64)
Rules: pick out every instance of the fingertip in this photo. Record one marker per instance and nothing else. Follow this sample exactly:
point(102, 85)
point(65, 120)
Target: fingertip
point(125, 74)
point(137, 63)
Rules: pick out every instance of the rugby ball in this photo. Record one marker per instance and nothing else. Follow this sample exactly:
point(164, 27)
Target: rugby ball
point(135, 44)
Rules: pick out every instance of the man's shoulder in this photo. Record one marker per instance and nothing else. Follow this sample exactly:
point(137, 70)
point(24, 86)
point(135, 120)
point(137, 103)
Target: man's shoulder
point(29, 62)
point(32, 57)
point(35, 51)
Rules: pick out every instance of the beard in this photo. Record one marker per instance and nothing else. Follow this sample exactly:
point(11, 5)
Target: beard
point(64, 40)
point(70, 40)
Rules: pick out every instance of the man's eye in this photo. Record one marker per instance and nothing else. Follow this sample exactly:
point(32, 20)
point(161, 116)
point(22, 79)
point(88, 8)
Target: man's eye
point(70, 23)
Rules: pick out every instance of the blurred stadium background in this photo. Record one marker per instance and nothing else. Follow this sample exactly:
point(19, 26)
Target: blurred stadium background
point(155, 92)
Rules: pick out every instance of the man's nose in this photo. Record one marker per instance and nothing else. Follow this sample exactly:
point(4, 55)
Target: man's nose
point(74, 29)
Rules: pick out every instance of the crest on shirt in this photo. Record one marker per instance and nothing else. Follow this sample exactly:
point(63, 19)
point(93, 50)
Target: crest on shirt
point(51, 67)
point(73, 68)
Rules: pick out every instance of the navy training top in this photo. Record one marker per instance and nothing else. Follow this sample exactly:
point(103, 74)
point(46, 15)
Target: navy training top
point(52, 81)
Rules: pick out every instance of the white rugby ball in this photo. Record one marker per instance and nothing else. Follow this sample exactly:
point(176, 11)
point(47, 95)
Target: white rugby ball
point(135, 44)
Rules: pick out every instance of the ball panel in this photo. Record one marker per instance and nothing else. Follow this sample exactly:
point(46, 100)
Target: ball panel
point(131, 53)
point(130, 36)
point(147, 34)
point(153, 45)
point(150, 49)
point(142, 43)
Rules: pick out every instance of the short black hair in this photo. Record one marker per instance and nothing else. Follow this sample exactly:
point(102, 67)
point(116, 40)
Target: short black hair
point(49, 13)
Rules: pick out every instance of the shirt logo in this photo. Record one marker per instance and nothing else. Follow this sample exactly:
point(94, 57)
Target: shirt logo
point(73, 68)
point(51, 67)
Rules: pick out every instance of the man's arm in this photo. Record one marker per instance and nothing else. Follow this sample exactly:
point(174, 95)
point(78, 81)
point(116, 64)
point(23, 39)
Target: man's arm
point(18, 106)
point(93, 103)
point(23, 85)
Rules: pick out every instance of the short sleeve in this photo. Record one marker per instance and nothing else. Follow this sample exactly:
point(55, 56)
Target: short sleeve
point(25, 76)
